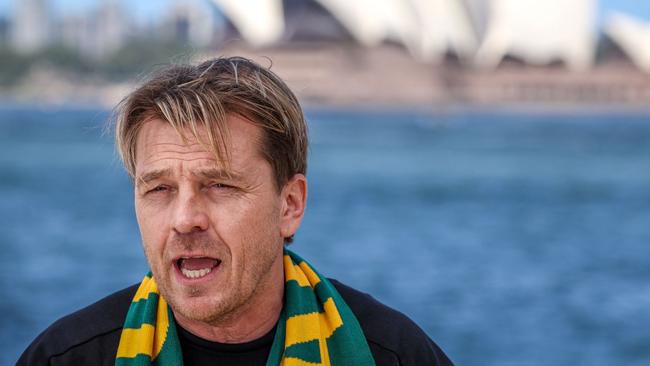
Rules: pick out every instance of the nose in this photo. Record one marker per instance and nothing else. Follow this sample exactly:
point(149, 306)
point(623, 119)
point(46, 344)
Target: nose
point(190, 214)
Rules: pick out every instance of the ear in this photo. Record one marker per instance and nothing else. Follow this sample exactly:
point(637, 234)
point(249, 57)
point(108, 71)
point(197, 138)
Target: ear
point(294, 201)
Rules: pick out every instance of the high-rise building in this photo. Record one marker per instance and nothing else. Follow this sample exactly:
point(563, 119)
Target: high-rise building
point(31, 26)
point(113, 26)
point(191, 22)
point(4, 30)
point(99, 32)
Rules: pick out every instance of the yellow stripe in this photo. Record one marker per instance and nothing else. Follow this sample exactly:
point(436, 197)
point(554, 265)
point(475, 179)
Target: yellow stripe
point(292, 361)
point(147, 286)
point(324, 352)
point(307, 327)
point(136, 341)
point(302, 328)
point(292, 272)
point(330, 320)
point(311, 275)
point(147, 339)
point(162, 325)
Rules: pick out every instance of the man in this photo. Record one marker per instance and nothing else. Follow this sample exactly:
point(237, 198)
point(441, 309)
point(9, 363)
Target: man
point(217, 153)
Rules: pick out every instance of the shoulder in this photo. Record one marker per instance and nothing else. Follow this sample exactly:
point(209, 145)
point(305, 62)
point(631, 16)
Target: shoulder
point(394, 339)
point(93, 331)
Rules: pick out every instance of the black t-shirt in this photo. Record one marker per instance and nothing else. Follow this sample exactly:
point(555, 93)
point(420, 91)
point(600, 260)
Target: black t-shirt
point(90, 337)
point(198, 351)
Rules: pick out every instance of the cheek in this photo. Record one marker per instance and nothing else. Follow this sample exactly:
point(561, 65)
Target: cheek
point(248, 230)
point(152, 231)
point(250, 218)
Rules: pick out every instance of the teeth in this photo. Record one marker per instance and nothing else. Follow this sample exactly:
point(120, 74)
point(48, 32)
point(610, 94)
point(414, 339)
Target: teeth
point(198, 273)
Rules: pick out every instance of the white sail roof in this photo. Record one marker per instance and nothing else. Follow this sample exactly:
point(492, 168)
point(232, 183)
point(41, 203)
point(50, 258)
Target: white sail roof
point(428, 28)
point(539, 32)
point(632, 35)
point(260, 22)
point(444, 25)
point(372, 21)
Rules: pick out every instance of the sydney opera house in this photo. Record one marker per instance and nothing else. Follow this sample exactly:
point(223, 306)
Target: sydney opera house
point(413, 52)
point(448, 51)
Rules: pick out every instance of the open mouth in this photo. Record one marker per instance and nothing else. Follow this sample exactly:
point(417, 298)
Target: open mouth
point(196, 267)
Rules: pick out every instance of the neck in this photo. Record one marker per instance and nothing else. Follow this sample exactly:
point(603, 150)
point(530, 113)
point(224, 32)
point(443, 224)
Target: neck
point(248, 322)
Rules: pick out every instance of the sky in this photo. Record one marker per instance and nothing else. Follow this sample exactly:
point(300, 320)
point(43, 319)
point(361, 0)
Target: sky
point(150, 9)
point(143, 9)
point(638, 8)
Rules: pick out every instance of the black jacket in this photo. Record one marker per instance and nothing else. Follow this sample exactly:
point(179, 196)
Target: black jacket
point(90, 336)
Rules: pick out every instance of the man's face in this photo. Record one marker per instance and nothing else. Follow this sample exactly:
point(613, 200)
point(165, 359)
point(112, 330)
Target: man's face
point(213, 241)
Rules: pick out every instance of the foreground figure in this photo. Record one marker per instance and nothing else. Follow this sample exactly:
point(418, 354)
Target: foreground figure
point(217, 153)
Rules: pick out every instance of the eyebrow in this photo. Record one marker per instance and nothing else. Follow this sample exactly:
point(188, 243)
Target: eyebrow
point(210, 173)
point(153, 175)
point(214, 173)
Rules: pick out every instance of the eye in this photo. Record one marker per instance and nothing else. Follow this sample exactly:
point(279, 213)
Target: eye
point(158, 189)
point(219, 186)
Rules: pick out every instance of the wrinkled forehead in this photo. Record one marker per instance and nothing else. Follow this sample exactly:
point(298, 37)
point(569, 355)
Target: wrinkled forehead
point(236, 140)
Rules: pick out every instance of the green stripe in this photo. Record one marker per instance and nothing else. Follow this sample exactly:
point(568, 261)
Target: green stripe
point(305, 302)
point(324, 289)
point(346, 349)
point(275, 356)
point(170, 354)
point(307, 351)
point(348, 344)
point(142, 312)
point(139, 360)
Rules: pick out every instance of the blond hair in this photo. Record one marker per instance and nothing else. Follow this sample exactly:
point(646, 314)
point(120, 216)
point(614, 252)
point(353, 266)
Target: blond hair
point(193, 97)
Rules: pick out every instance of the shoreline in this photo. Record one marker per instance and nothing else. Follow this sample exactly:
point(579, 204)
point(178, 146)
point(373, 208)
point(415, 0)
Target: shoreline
point(409, 109)
point(382, 79)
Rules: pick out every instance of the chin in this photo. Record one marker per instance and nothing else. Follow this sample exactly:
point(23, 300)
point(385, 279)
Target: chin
point(203, 308)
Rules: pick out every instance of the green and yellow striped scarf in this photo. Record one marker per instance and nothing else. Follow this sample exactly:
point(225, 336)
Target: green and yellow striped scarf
point(316, 327)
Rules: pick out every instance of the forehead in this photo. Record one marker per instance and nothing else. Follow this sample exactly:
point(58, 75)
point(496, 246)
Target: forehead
point(159, 143)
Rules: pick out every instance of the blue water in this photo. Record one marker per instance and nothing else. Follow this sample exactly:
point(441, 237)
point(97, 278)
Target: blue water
point(512, 239)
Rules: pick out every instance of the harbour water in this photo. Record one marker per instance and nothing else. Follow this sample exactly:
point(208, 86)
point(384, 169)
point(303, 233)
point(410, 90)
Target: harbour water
point(511, 238)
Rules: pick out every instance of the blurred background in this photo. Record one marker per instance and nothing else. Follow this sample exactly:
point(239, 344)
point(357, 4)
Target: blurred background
point(480, 165)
